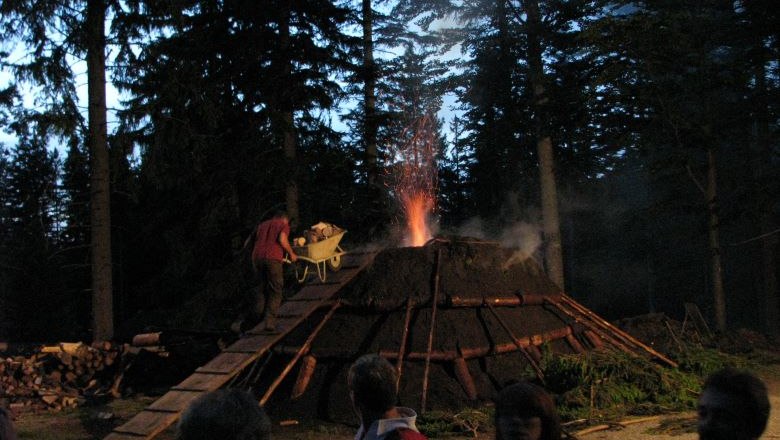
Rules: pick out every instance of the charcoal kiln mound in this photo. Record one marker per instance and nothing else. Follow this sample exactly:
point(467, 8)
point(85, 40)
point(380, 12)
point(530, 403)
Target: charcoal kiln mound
point(489, 312)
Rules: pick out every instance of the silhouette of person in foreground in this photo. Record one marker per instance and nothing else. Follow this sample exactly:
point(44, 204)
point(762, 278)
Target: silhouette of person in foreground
point(7, 431)
point(733, 405)
point(372, 388)
point(224, 414)
point(526, 411)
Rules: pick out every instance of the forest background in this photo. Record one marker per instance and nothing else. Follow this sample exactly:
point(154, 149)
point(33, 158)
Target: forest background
point(637, 141)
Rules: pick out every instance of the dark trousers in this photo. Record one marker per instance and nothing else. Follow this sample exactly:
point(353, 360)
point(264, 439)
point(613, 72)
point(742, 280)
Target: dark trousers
point(268, 297)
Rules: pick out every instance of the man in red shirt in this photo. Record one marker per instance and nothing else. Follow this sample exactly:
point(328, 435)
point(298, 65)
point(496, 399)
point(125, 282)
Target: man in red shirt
point(271, 242)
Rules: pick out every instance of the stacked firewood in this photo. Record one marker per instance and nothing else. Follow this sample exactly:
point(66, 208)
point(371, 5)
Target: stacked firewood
point(60, 376)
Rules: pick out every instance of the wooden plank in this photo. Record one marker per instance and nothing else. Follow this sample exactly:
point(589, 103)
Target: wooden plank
point(174, 401)
point(287, 310)
point(117, 436)
point(227, 363)
point(253, 344)
point(315, 292)
point(148, 423)
point(202, 382)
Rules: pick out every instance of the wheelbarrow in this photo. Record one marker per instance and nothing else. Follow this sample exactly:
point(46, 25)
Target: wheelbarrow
point(321, 255)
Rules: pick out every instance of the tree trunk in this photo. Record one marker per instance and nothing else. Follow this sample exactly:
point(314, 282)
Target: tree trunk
point(764, 207)
point(549, 193)
point(289, 141)
point(100, 206)
point(716, 267)
point(290, 147)
point(369, 96)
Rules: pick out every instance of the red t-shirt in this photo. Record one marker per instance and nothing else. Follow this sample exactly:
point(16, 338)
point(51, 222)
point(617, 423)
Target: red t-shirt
point(267, 239)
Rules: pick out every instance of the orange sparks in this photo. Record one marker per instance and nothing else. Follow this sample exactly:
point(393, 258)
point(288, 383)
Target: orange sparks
point(415, 177)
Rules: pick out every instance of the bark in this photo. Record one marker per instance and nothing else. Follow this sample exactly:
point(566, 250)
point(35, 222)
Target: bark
point(549, 192)
point(369, 95)
point(713, 221)
point(100, 206)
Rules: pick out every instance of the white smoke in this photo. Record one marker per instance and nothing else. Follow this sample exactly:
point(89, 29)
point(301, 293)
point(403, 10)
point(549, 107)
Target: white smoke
point(525, 237)
point(472, 227)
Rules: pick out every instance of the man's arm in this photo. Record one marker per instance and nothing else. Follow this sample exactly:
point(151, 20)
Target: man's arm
point(285, 242)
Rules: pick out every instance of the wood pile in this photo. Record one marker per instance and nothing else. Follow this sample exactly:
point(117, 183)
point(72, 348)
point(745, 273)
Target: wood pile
point(60, 376)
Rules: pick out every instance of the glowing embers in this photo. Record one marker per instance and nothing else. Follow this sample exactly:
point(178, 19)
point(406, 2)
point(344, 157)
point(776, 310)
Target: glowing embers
point(414, 177)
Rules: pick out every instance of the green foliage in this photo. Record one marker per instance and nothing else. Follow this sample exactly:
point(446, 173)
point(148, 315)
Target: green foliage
point(436, 424)
point(604, 384)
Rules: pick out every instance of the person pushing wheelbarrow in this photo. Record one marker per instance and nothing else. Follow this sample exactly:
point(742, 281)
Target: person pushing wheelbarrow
point(271, 243)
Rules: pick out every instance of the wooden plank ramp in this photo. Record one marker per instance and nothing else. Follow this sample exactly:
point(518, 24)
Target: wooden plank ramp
point(166, 410)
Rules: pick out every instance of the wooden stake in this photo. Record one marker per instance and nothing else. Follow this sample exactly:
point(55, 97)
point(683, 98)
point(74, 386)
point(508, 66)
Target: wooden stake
point(519, 344)
point(304, 349)
point(424, 398)
point(399, 364)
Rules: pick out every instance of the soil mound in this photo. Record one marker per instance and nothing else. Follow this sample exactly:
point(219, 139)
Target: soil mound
point(465, 332)
point(466, 269)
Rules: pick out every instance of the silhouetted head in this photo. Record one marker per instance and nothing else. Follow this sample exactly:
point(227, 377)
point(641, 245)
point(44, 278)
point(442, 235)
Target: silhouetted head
point(526, 411)
point(371, 382)
point(733, 405)
point(7, 431)
point(225, 414)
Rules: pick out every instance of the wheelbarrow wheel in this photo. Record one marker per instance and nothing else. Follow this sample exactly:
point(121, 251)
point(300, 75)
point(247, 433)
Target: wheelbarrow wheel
point(334, 263)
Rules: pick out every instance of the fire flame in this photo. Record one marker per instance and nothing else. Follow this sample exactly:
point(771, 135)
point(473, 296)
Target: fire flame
point(415, 177)
point(417, 209)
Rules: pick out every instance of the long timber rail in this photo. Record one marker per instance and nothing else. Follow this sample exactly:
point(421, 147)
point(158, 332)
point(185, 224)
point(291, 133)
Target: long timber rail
point(165, 411)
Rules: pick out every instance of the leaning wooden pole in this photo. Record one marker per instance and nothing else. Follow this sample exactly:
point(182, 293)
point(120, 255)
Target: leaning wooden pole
point(517, 342)
point(595, 330)
point(424, 399)
point(303, 350)
point(399, 364)
point(620, 333)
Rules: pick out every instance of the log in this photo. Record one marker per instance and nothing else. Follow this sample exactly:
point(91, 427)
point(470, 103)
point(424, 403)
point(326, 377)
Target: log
point(477, 352)
point(146, 339)
point(538, 299)
point(594, 339)
point(459, 301)
point(464, 377)
point(308, 364)
point(574, 343)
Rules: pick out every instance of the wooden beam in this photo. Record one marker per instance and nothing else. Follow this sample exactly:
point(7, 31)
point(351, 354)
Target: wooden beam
point(424, 399)
point(399, 365)
point(304, 349)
